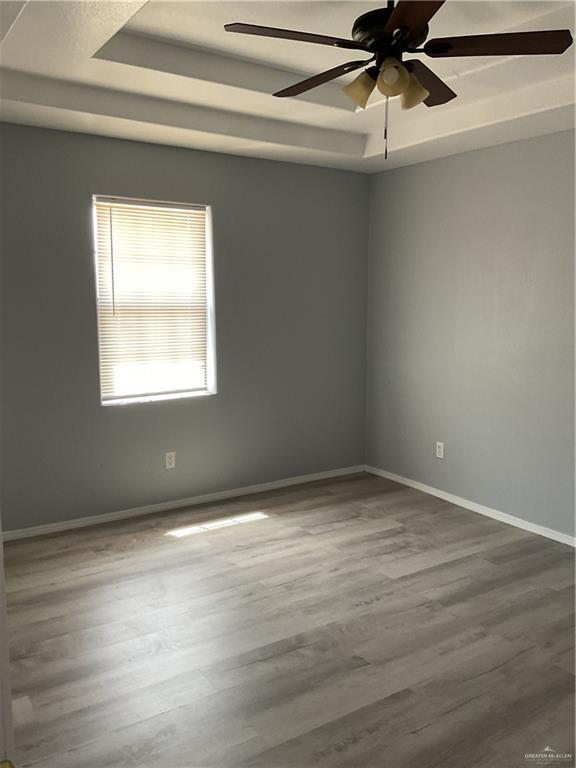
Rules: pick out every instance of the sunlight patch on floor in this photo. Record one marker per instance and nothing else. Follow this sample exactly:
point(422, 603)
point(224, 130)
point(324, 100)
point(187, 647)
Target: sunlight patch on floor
point(224, 522)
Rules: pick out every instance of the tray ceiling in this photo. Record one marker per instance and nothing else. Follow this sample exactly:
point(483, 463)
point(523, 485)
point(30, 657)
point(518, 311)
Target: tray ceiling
point(166, 72)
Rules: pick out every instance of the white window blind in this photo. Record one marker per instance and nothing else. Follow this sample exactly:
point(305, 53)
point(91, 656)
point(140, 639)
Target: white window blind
point(154, 299)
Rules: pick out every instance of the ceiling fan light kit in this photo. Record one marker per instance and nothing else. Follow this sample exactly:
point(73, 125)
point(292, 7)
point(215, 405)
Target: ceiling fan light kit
point(387, 34)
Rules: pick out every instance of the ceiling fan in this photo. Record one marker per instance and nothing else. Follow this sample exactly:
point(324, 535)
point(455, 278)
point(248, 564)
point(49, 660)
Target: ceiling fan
point(390, 33)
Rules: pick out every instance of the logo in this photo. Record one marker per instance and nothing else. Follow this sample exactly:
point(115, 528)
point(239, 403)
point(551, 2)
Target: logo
point(549, 756)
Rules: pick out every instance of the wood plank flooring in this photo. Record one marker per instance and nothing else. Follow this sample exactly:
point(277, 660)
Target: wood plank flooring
point(360, 624)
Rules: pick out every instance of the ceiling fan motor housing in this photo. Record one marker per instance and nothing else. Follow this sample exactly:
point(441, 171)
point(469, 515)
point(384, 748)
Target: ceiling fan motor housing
point(370, 30)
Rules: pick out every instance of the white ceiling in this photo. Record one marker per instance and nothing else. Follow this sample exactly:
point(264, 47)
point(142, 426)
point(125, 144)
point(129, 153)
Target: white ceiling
point(167, 72)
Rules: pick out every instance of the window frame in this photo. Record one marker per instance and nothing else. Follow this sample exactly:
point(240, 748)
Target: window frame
point(211, 379)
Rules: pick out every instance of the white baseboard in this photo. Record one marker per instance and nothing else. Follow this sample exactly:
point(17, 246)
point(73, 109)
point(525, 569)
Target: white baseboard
point(503, 517)
point(165, 506)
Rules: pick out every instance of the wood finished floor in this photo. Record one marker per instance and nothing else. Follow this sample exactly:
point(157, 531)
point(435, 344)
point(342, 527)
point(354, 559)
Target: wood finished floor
point(360, 624)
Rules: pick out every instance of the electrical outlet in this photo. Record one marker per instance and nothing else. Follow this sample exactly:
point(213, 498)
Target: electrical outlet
point(170, 460)
point(439, 450)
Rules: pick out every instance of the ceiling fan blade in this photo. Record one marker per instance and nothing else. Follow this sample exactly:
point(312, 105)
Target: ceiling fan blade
point(290, 34)
point(439, 92)
point(507, 44)
point(323, 77)
point(412, 15)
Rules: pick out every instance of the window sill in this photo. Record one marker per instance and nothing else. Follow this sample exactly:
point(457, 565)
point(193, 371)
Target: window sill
point(158, 398)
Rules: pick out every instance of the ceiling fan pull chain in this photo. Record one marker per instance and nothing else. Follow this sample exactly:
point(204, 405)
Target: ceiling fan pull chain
point(386, 130)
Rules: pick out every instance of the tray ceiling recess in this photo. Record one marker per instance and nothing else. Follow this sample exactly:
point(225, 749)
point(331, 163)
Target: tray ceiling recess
point(168, 73)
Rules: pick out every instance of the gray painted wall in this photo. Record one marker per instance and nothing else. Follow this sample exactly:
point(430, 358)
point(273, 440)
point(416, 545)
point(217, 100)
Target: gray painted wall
point(471, 326)
point(290, 247)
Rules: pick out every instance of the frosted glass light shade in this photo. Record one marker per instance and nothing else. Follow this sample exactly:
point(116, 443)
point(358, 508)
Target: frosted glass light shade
point(360, 89)
point(414, 94)
point(393, 79)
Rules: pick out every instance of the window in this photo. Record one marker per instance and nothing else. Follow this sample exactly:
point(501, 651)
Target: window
point(154, 299)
